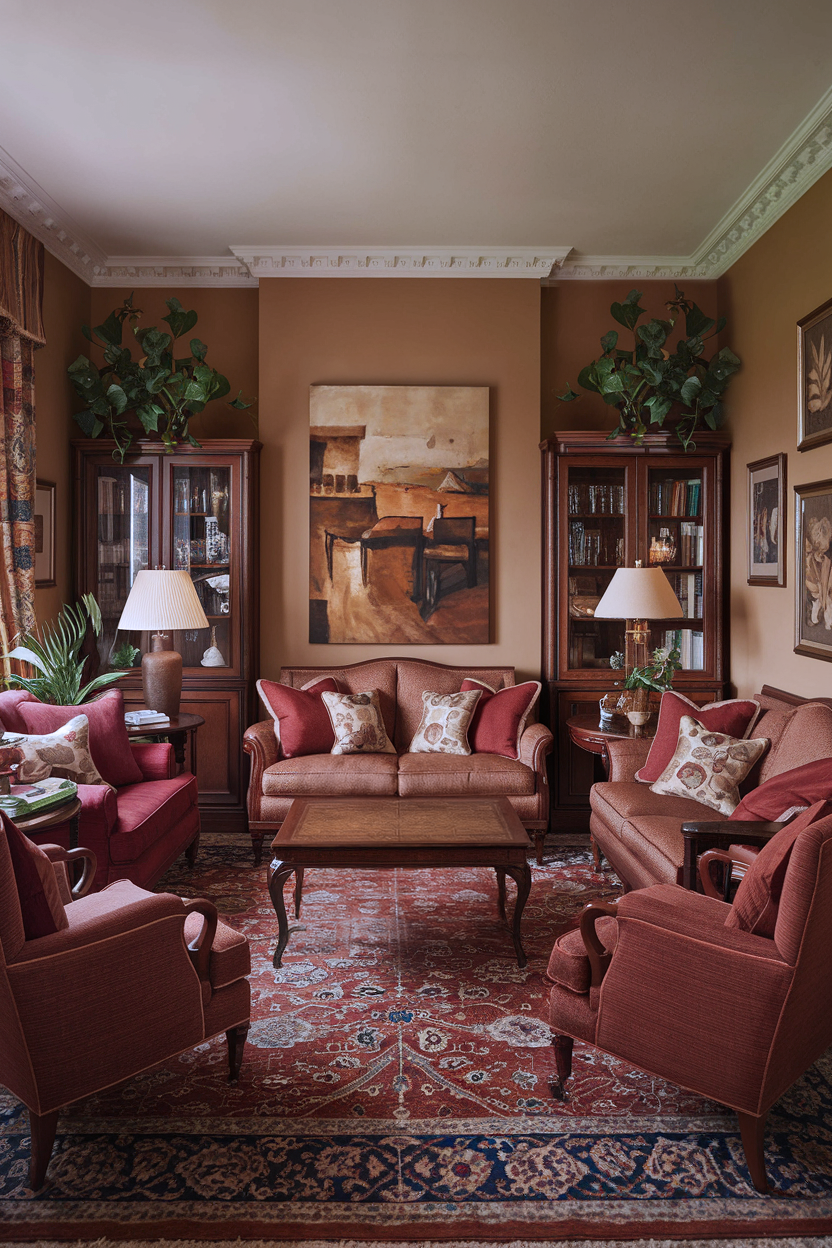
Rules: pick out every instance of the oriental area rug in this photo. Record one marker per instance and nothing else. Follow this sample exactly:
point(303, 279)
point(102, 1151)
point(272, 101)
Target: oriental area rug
point(396, 1087)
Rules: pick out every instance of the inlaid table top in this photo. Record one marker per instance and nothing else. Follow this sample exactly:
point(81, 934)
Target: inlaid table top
point(378, 821)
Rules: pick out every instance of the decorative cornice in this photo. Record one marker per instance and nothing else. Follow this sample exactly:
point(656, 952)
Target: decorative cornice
point(533, 262)
point(802, 159)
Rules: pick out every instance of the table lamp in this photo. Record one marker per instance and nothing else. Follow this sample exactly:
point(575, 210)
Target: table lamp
point(637, 595)
point(161, 601)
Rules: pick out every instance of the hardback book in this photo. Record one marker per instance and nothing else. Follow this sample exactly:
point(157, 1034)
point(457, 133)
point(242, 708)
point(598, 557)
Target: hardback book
point(144, 719)
point(35, 799)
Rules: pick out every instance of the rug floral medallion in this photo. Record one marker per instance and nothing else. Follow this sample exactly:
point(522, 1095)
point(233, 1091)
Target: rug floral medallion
point(396, 1085)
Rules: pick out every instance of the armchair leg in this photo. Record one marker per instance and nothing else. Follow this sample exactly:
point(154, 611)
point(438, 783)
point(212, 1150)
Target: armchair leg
point(257, 847)
point(596, 853)
point(236, 1038)
point(43, 1128)
point(191, 852)
point(563, 1064)
point(752, 1130)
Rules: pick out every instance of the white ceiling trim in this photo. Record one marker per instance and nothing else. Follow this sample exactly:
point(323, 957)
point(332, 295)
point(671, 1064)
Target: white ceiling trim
point(802, 159)
point(534, 262)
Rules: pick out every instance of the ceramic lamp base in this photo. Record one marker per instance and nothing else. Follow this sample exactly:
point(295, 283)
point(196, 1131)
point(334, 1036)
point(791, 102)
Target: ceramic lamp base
point(162, 678)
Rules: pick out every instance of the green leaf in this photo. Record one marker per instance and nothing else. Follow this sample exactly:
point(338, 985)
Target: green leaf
point(626, 313)
point(697, 323)
point(586, 378)
point(148, 414)
point(568, 396)
point(117, 399)
point(180, 321)
point(109, 331)
point(240, 403)
point(219, 387)
point(89, 422)
point(198, 349)
point(154, 343)
point(653, 333)
point(658, 406)
point(690, 391)
point(609, 341)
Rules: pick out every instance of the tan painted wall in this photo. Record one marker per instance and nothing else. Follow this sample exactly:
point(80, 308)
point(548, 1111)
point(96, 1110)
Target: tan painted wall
point(66, 307)
point(396, 332)
point(574, 316)
point(782, 278)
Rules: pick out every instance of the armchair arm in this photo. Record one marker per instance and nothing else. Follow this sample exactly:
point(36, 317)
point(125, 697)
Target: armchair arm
point(597, 952)
point(536, 742)
point(199, 948)
point(625, 756)
point(260, 742)
point(155, 759)
point(714, 833)
point(59, 856)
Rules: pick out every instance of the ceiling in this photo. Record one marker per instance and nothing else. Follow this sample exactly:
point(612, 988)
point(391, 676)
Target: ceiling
point(626, 130)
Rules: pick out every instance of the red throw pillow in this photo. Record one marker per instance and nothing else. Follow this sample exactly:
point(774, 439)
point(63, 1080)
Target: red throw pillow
point(109, 743)
point(735, 718)
point(301, 721)
point(500, 716)
point(10, 703)
point(758, 896)
point(802, 786)
point(37, 889)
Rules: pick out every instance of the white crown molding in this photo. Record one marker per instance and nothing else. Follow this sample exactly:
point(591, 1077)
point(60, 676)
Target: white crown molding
point(802, 159)
point(532, 262)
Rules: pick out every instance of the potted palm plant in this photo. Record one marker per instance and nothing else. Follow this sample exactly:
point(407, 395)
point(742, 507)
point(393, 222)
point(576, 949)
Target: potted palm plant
point(55, 654)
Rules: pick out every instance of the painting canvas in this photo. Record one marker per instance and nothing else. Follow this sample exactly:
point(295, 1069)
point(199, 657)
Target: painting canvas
point(399, 515)
point(814, 369)
point(766, 517)
point(813, 606)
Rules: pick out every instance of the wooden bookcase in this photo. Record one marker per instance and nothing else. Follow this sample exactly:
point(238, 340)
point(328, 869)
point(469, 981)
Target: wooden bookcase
point(195, 509)
point(606, 504)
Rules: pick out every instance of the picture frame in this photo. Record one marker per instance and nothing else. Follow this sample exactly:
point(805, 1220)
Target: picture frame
point(813, 570)
point(44, 514)
point(814, 378)
point(766, 521)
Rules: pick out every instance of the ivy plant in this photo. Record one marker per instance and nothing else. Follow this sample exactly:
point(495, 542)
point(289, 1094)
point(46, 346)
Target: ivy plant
point(648, 381)
point(162, 388)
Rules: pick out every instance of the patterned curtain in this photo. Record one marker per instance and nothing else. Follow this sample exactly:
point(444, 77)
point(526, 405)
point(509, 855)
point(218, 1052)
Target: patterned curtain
point(21, 332)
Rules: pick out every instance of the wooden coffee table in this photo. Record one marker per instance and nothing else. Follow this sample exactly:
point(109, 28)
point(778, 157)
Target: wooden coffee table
point(384, 832)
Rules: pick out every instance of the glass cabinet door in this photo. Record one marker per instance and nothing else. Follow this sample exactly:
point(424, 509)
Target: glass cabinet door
point(125, 508)
point(676, 542)
point(596, 519)
point(200, 504)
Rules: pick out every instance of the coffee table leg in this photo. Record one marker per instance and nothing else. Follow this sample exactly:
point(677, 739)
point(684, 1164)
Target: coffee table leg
point(278, 874)
point(501, 891)
point(522, 877)
point(298, 890)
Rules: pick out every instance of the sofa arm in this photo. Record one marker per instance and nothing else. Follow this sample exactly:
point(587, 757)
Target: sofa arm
point(535, 744)
point(155, 758)
point(260, 743)
point(625, 756)
point(713, 834)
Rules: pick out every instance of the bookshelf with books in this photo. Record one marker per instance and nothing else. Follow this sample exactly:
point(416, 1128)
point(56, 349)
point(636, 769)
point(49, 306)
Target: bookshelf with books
point(196, 510)
point(607, 504)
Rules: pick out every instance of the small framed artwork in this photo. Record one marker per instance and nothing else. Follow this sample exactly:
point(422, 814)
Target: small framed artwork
point(766, 521)
point(814, 378)
point(44, 533)
point(813, 570)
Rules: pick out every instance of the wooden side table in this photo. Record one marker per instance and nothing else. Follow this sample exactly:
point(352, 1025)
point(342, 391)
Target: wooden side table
point(590, 734)
point(180, 730)
point(42, 821)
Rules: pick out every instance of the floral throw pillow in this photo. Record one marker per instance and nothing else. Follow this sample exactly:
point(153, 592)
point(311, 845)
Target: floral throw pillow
point(65, 753)
point(708, 766)
point(445, 720)
point(357, 723)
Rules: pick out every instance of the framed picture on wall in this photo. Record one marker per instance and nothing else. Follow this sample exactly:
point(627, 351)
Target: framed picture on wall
point(814, 378)
point(766, 521)
point(813, 564)
point(44, 533)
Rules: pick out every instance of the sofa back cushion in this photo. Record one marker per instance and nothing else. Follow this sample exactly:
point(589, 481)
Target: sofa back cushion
point(11, 719)
point(806, 736)
point(377, 674)
point(301, 721)
point(416, 677)
point(109, 744)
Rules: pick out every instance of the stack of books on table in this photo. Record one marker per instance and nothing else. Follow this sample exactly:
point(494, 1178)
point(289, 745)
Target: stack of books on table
point(145, 719)
point(24, 800)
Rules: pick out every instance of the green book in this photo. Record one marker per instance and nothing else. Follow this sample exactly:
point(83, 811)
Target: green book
point(35, 799)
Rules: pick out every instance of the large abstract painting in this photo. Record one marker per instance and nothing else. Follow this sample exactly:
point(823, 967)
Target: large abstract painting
point(398, 515)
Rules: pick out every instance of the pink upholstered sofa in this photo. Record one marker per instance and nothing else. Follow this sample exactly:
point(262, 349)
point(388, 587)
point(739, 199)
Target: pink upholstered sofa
point(276, 781)
point(645, 836)
point(135, 830)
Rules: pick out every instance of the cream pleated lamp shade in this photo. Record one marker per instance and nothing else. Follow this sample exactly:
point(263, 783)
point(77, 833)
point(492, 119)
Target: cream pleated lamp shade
point(639, 594)
point(162, 600)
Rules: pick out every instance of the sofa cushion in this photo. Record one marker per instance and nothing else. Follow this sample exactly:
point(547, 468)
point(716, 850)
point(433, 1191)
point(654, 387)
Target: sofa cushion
point(41, 908)
point(450, 775)
point(757, 902)
point(615, 801)
point(709, 765)
point(230, 954)
point(734, 717)
point(357, 723)
point(332, 775)
point(500, 717)
point(568, 961)
point(782, 795)
point(147, 812)
point(806, 736)
point(443, 728)
point(109, 743)
point(415, 677)
point(301, 722)
point(657, 841)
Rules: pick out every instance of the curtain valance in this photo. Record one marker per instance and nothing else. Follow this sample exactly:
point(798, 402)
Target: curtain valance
point(21, 282)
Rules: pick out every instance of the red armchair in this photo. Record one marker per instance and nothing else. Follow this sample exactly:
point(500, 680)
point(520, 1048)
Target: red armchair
point(133, 979)
point(660, 981)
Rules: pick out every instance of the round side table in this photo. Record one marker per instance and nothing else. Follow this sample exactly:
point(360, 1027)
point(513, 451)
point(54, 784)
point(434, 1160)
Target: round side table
point(67, 812)
point(590, 734)
point(180, 729)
